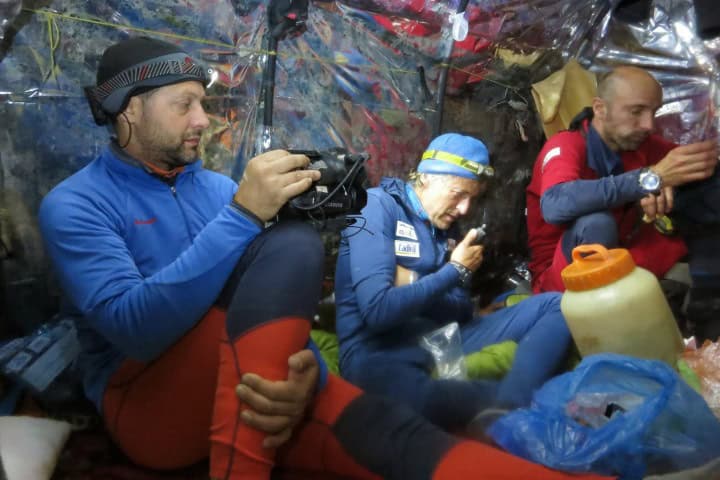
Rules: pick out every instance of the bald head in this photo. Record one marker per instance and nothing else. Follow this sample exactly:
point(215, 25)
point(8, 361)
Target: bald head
point(624, 77)
point(625, 106)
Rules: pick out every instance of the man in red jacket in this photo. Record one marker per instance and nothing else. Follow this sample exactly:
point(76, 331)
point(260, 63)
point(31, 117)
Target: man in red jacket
point(594, 182)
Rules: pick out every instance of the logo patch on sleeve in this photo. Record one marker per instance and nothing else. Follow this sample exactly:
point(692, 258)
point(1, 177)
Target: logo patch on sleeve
point(554, 152)
point(405, 230)
point(404, 248)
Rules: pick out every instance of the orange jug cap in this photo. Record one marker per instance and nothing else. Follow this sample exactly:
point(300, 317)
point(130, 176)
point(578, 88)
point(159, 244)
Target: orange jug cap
point(595, 266)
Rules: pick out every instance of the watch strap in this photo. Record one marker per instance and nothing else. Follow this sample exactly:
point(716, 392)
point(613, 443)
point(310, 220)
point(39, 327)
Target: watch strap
point(464, 272)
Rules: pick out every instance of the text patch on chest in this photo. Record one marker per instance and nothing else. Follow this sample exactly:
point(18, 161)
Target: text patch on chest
point(404, 248)
point(405, 230)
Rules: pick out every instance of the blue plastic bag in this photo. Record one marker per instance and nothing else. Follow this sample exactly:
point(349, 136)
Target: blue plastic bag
point(613, 415)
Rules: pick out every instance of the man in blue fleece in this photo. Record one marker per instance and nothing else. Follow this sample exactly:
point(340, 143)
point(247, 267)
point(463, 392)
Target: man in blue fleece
point(381, 317)
point(181, 293)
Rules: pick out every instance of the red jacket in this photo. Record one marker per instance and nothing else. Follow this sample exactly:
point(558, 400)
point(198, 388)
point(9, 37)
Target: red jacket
point(563, 159)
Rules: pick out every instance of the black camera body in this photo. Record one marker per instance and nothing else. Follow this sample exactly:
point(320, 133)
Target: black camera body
point(340, 192)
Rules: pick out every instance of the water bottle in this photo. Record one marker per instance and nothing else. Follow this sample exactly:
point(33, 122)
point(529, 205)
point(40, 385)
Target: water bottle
point(612, 305)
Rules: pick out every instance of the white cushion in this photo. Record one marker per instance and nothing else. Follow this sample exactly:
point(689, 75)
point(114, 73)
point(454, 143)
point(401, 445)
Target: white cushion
point(30, 446)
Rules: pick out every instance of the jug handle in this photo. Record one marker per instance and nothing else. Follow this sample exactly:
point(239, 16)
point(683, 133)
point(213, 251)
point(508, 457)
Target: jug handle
point(580, 252)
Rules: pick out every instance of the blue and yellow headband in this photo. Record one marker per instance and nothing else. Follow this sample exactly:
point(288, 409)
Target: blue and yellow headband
point(459, 155)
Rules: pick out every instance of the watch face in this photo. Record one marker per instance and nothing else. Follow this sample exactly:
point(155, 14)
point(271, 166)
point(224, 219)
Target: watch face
point(650, 181)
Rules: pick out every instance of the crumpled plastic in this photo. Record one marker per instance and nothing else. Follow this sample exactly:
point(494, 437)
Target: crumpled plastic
point(705, 362)
point(445, 346)
point(667, 45)
point(614, 415)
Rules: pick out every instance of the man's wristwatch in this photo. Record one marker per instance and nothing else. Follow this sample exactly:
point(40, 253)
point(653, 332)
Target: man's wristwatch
point(465, 273)
point(649, 181)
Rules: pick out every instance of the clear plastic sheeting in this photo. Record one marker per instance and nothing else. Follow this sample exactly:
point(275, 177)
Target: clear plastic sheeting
point(351, 80)
point(548, 24)
point(667, 44)
point(705, 362)
point(47, 55)
point(713, 46)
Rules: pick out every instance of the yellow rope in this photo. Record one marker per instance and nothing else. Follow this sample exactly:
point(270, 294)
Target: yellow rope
point(75, 18)
point(54, 39)
point(53, 35)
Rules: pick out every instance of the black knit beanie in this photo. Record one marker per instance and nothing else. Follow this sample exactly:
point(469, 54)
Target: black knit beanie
point(134, 66)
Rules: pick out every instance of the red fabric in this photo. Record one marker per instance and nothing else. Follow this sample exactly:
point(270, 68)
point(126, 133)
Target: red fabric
point(316, 448)
point(161, 172)
point(476, 460)
point(237, 449)
point(656, 252)
point(159, 413)
point(550, 280)
point(563, 159)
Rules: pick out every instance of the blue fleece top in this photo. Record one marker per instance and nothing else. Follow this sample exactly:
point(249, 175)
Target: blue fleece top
point(140, 260)
point(613, 188)
point(374, 314)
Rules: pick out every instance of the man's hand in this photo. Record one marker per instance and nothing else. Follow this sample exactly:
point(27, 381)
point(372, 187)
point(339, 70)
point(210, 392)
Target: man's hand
point(655, 206)
point(688, 163)
point(271, 179)
point(467, 254)
point(276, 407)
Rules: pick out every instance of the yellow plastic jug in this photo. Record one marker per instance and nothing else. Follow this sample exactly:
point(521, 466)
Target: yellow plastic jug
point(612, 305)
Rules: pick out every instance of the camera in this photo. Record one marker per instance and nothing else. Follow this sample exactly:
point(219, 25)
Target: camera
point(340, 192)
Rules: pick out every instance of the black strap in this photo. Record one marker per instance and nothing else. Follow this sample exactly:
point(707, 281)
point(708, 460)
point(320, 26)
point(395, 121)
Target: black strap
point(577, 122)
